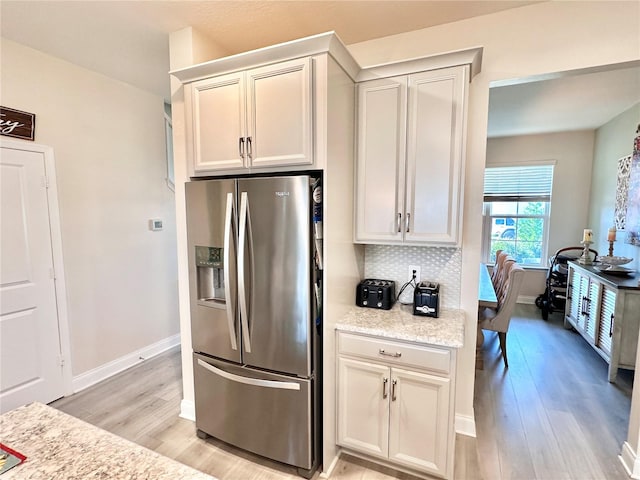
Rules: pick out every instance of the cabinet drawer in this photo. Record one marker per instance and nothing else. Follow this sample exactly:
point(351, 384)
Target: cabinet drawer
point(395, 353)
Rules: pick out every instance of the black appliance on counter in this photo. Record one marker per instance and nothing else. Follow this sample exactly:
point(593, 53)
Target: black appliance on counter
point(375, 293)
point(426, 299)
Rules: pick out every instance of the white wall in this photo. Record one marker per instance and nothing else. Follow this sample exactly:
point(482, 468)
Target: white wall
point(186, 47)
point(613, 141)
point(109, 145)
point(536, 39)
point(573, 154)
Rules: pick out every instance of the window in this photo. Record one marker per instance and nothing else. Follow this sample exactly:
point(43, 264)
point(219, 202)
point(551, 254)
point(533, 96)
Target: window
point(517, 202)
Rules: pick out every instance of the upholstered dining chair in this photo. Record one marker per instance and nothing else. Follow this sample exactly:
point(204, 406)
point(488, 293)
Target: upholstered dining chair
point(497, 266)
point(501, 279)
point(498, 319)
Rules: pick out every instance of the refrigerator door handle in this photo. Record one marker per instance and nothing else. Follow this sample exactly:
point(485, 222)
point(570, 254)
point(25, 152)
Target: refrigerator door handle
point(228, 230)
point(242, 291)
point(248, 380)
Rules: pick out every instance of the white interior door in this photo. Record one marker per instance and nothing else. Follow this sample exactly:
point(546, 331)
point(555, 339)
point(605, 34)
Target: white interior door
point(30, 350)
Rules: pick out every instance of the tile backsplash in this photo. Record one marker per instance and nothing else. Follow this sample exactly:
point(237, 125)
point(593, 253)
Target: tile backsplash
point(438, 264)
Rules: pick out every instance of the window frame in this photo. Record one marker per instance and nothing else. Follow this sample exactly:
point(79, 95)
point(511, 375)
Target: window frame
point(488, 216)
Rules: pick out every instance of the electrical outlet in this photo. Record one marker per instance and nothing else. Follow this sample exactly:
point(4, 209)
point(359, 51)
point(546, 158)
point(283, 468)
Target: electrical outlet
point(413, 268)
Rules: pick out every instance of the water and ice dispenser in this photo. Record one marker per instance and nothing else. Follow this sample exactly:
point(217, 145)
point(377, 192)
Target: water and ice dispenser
point(210, 274)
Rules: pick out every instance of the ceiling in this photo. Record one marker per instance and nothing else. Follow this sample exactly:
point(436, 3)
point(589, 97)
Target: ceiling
point(129, 41)
point(583, 100)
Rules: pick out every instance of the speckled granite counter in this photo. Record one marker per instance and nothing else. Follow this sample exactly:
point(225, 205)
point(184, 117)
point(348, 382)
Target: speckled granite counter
point(399, 323)
point(61, 447)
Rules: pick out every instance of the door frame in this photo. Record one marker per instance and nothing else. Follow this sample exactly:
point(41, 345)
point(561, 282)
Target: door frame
point(56, 252)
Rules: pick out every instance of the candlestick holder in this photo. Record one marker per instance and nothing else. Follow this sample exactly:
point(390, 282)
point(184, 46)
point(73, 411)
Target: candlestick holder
point(610, 248)
point(585, 259)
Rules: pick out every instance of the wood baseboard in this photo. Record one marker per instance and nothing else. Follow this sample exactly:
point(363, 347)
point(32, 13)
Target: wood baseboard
point(87, 379)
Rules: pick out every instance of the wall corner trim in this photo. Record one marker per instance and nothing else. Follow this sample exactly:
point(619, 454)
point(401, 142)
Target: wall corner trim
point(465, 425)
point(326, 473)
point(188, 410)
point(630, 460)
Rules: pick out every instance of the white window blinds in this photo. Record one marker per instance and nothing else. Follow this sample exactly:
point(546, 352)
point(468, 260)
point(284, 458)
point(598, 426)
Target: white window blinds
point(530, 183)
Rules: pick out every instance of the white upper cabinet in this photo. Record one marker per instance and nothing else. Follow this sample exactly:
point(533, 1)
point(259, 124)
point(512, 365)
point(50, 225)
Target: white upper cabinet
point(382, 114)
point(219, 119)
point(411, 131)
point(256, 118)
point(279, 129)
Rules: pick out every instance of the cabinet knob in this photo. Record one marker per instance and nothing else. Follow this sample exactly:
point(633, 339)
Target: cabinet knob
point(399, 222)
point(249, 147)
point(408, 222)
point(384, 387)
point(393, 390)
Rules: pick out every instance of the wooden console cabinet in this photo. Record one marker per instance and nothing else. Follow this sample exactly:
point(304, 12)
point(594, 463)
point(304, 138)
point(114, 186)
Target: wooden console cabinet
point(604, 309)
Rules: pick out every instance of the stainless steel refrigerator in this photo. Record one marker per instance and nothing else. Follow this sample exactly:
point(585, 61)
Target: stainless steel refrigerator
point(253, 314)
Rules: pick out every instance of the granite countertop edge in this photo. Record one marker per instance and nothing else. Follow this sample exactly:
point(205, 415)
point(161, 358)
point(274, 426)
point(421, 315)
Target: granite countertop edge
point(399, 323)
point(60, 447)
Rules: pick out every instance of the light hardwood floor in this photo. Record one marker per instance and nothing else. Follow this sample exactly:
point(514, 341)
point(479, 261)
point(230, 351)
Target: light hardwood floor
point(551, 415)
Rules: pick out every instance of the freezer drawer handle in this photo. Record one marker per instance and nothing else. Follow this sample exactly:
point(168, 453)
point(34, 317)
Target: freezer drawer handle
point(250, 381)
point(228, 227)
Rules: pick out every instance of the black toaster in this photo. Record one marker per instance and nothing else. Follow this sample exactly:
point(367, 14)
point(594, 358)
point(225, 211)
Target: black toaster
point(426, 299)
point(375, 293)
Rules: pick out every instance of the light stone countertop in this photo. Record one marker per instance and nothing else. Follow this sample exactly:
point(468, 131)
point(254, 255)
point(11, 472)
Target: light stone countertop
point(399, 323)
point(61, 447)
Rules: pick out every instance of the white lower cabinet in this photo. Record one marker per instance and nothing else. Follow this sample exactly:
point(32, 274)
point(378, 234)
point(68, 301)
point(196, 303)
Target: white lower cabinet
point(363, 406)
point(395, 402)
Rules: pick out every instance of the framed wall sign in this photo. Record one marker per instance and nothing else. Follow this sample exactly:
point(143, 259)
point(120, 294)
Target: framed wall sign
point(622, 192)
point(632, 221)
point(17, 124)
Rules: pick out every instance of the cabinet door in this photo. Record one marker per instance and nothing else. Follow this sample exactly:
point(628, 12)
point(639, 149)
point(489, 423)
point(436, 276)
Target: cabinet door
point(381, 160)
point(419, 421)
point(363, 406)
point(218, 109)
point(279, 114)
point(435, 155)
point(574, 305)
point(592, 307)
point(577, 305)
point(581, 320)
point(607, 318)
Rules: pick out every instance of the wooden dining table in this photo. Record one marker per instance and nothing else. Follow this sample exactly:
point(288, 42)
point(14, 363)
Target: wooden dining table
point(486, 298)
point(486, 292)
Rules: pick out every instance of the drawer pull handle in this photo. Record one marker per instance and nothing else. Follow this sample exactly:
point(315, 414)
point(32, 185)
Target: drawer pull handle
point(394, 355)
point(611, 326)
point(384, 387)
point(393, 390)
